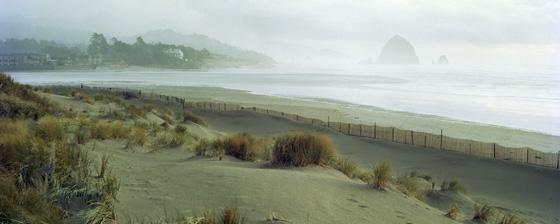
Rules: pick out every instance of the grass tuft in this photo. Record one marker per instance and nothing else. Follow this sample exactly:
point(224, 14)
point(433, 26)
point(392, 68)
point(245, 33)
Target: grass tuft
point(453, 212)
point(242, 146)
point(484, 212)
point(201, 147)
point(189, 116)
point(347, 166)
point(408, 184)
point(381, 175)
point(50, 129)
point(136, 111)
point(454, 185)
point(511, 218)
point(303, 149)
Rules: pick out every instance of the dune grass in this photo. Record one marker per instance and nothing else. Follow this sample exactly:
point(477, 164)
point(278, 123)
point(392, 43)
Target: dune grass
point(50, 129)
point(303, 149)
point(408, 184)
point(453, 212)
point(134, 111)
point(164, 116)
point(347, 166)
point(109, 131)
point(40, 171)
point(149, 107)
point(171, 139)
point(381, 175)
point(241, 146)
point(189, 116)
point(453, 185)
point(83, 97)
point(511, 218)
point(483, 212)
point(202, 146)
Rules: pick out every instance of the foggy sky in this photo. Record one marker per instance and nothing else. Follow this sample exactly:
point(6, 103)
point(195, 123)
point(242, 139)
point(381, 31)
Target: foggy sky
point(467, 31)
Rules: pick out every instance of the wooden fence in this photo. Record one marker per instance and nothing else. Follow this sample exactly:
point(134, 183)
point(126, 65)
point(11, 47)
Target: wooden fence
point(524, 155)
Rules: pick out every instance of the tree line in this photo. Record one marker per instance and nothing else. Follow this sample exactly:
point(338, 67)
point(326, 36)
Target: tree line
point(145, 54)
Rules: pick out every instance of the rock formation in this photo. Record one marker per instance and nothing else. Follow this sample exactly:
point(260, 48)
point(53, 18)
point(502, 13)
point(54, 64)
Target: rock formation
point(443, 60)
point(397, 51)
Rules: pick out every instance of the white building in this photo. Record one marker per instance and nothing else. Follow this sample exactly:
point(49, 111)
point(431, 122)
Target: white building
point(175, 53)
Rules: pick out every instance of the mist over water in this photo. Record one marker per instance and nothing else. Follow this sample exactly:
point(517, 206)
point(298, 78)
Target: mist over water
point(520, 97)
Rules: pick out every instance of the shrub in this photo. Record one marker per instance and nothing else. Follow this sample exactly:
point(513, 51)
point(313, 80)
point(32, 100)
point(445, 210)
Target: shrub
point(454, 185)
point(50, 129)
point(188, 116)
point(303, 149)
point(347, 166)
point(453, 212)
point(381, 175)
point(485, 212)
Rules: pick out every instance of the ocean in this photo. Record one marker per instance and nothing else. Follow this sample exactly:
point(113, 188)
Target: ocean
point(518, 97)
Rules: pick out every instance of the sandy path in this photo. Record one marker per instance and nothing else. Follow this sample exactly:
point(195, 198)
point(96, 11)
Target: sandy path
point(531, 191)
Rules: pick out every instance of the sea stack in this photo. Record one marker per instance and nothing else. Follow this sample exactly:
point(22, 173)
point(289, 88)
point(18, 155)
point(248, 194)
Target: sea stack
point(398, 51)
point(443, 60)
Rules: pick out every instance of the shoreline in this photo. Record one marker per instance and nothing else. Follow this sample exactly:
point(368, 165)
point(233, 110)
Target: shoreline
point(504, 136)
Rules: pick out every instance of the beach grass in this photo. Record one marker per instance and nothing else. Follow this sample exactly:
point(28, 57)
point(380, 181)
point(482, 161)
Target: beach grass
point(483, 212)
point(347, 166)
point(453, 185)
point(381, 175)
point(408, 184)
point(453, 212)
point(189, 116)
point(241, 146)
point(303, 149)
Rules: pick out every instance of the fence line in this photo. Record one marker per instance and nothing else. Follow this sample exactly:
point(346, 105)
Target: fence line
point(525, 155)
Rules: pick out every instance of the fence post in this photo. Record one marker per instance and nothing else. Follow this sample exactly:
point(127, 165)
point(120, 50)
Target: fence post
point(494, 150)
point(360, 130)
point(348, 129)
point(374, 130)
point(412, 137)
point(328, 121)
point(441, 139)
point(393, 137)
point(558, 160)
point(425, 140)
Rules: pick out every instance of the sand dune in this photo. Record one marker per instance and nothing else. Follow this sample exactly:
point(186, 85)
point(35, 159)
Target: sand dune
point(173, 179)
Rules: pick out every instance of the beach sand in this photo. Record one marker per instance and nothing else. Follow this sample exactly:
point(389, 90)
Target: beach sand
point(348, 113)
point(172, 180)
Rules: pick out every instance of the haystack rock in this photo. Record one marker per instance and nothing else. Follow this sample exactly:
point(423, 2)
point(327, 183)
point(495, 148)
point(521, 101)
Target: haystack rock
point(443, 60)
point(398, 51)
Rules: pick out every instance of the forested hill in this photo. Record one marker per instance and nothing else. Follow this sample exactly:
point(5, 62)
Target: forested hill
point(199, 42)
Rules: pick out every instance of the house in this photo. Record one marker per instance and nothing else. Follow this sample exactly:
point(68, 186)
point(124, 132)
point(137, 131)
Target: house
point(175, 53)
